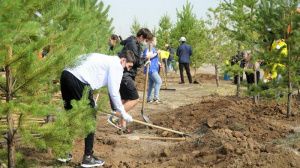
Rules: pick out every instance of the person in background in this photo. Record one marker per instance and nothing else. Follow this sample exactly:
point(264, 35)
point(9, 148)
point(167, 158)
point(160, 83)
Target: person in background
point(154, 80)
point(95, 71)
point(128, 91)
point(184, 52)
point(114, 49)
point(114, 44)
point(171, 59)
point(249, 65)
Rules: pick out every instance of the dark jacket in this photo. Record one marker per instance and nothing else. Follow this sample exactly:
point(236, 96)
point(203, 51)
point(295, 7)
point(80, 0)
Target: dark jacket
point(184, 51)
point(132, 44)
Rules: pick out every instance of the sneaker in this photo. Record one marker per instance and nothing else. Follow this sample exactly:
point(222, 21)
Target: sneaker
point(149, 101)
point(157, 101)
point(114, 121)
point(124, 130)
point(91, 162)
point(68, 158)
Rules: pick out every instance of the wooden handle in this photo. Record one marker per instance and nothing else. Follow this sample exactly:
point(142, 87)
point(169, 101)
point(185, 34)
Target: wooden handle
point(145, 86)
point(158, 127)
point(151, 125)
point(164, 73)
point(163, 138)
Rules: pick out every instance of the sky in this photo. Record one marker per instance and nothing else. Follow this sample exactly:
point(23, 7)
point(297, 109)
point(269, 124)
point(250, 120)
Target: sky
point(150, 12)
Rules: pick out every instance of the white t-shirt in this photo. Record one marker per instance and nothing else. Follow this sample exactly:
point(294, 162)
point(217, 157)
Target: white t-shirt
point(99, 70)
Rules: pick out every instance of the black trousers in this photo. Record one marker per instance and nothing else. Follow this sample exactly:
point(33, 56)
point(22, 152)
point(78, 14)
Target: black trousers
point(250, 77)
point(72, 88)
point(187, 69)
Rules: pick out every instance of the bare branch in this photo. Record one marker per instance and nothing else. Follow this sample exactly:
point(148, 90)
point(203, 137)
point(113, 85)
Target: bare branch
point(2, 88)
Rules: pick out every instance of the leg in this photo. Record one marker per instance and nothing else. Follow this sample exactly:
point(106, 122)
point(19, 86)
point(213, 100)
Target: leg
point(166, 66)
point(157, 83)
point(72, 88)
point(129, 95)
point(150, 87)
point(181, 72)
point(188, 73)
point(128, 105)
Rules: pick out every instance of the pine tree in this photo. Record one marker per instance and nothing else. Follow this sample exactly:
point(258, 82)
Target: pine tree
point(200, 45)
point(65, 29)
point(241, 14)
point(219, 45)
point(281, 17)
point(135, 27)
point(163, 33)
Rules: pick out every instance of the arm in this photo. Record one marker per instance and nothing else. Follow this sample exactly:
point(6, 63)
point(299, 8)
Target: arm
point(114, 80)
point(178, 52)
point(191, 51)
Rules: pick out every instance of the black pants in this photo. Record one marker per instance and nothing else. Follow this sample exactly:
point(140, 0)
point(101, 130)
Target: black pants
point(187, 69)
point(250, 77)
point(72, 88)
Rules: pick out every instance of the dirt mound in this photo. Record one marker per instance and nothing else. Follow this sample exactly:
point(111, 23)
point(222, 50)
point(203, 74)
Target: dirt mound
point(239, 135)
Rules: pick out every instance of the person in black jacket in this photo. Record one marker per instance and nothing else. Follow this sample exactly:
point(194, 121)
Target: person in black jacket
point(184, 52)
point(128, 91)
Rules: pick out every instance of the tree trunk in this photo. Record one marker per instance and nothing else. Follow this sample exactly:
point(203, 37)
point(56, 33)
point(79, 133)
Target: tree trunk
point(11, 148)
point(9, 81)
point(195, 72)
point(238, 84)
point(11, 130)
point(289, 107)
point(217, 75)
point(255, 97)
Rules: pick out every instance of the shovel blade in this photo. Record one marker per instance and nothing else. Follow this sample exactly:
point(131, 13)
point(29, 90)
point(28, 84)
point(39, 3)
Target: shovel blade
point(146, 118)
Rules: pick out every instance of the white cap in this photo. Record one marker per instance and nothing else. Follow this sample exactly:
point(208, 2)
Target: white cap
point(182, 39)
point(167, 45)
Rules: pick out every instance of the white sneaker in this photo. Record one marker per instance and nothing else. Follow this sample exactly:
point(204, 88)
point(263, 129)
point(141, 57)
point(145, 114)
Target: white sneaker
point(68, 158)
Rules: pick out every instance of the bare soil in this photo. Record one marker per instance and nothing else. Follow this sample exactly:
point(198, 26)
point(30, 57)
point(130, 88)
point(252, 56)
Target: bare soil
point(239, 134)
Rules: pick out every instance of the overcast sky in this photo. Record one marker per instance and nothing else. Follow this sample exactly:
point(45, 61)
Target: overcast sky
point(149, 12)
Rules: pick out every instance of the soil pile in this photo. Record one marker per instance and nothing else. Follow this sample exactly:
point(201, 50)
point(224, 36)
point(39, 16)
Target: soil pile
point(239, 135)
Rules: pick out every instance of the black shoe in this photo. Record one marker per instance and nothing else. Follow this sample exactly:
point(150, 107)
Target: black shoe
point(92, 161)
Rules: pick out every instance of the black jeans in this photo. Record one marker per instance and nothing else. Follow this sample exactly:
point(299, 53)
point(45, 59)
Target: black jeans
point(72, 88)
point(250, 77)
point(187, 69)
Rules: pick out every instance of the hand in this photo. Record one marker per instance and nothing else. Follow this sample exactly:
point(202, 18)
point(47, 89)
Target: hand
point(149, 54)
point(160, 65)
point(148, 62)
point(158, 51)
point(127, 117)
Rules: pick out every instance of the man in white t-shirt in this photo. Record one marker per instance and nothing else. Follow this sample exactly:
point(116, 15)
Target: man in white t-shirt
point(95, 71)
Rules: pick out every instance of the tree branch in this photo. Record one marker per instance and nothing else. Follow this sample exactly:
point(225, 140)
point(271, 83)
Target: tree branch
point(2, 88)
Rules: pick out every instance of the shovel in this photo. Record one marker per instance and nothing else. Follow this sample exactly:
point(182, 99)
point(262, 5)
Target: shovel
point(144, 95)
point(165, 80)
point(196, 136)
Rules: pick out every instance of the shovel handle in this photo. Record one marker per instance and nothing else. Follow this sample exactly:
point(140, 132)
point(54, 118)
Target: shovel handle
point(154, 126)
point(158, 127)
point(163, 138)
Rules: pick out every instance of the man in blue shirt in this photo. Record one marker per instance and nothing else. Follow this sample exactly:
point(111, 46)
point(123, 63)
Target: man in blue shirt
point(184, 52)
